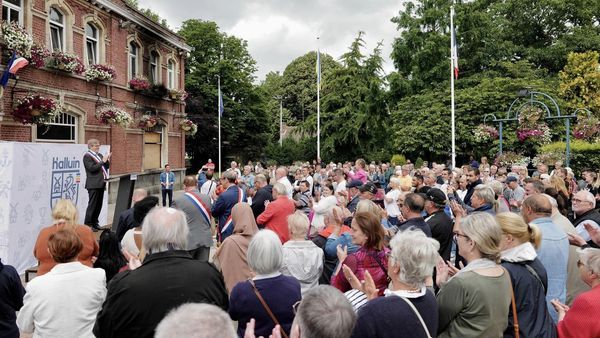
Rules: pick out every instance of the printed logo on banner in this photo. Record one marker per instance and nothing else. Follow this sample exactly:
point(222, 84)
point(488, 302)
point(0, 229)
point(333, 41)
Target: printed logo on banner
point(66, 175)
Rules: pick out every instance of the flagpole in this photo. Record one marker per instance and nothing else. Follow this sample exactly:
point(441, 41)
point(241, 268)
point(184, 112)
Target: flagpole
point(452, 65)
point(219, 113)
point(318, 102)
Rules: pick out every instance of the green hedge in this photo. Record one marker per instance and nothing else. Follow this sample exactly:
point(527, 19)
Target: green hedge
point(583, 154)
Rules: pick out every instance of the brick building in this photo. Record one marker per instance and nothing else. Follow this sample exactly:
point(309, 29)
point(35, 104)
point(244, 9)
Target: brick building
point(112, 33)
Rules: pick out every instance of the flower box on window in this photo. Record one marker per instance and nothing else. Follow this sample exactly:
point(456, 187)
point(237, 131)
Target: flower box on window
point(188, 126)
point(39, 55)
point(66, 62)
point(157, 90)
point(16, 39)
point(112, 115)
point(36, 109)
point(178, 95)
point(100, 72)
point(147, 121)
point(139, 83)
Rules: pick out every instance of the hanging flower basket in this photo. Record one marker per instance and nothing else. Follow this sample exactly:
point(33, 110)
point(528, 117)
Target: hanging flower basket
point(188, 126)
point(112, 115)
point(530, 117)
point(147, 121)
point(509, 158)
point(66, 62)
point(178, 94)
point(485, 133)
point(587, 128)
point(538, 134)
point(16, 39)
point(38, 56)
point(99, 72)
point(36, 109)
point(139, 83)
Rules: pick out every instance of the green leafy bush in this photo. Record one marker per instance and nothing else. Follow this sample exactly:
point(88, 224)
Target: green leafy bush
point(583, 154)
point(398, 160)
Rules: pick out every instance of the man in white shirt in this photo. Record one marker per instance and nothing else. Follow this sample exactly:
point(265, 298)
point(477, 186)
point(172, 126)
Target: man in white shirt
point(208, 188)
point(340, 180)
point(281, 177)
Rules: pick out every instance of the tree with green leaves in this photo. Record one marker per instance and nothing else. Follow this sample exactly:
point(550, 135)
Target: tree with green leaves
point(580, 82)
point(354, 115)
point(244, 123)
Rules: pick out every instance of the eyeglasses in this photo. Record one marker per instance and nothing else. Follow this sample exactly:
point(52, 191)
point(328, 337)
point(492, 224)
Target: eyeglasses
point(579, 263)
point(295, 306)
point(456, 234)
point(575, 200)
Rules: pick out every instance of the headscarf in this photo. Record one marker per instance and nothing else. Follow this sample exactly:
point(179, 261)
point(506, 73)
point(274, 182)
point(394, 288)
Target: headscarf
point(231, 255)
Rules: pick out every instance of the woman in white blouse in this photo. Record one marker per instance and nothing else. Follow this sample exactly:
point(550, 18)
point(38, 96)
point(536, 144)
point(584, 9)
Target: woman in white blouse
point(65, 301)
point(322, 208)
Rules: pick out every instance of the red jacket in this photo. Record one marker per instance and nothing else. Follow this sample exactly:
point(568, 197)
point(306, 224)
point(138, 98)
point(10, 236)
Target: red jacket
point(582, 318)
point(275, 217)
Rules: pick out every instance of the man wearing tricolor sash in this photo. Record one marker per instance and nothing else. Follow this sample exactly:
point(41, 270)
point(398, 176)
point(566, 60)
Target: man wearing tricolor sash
point(96, 169)
point(196, 207)
point(225, 202)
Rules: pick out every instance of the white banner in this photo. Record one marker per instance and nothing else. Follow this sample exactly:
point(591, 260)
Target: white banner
point(33, 176)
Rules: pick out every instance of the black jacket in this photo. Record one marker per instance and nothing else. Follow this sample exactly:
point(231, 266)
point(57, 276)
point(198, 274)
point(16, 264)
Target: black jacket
point(126, 222)
point(470, 190)
point(258, 201)
point(11, 300)
point(591, 215)
point(93, 171)
point(530, 298)
point(418, 223)
point(138, 300)
point(441, 229)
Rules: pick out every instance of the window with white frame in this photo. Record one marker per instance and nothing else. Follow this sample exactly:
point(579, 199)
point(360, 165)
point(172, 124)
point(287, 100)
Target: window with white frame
point(91, 43)
point(12, 11)
point(171, 74)
point(153, 73)
point(134, 51)
point(57, 30)
point(62, 129)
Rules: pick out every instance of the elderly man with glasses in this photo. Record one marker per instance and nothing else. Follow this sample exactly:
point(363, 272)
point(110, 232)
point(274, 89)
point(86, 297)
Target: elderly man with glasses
point(584, 209)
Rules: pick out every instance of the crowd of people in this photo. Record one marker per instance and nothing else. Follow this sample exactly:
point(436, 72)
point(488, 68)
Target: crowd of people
point(326, 250)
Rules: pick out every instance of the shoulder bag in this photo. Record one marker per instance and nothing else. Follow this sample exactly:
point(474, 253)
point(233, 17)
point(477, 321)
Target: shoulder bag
point(267, 308)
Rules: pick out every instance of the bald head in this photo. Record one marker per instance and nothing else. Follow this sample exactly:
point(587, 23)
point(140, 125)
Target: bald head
point(583, 201)
point(139, 194)
point(536, 206)
point(281, 172)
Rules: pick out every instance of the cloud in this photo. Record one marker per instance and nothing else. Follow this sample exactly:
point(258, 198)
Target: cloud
point(280, 31)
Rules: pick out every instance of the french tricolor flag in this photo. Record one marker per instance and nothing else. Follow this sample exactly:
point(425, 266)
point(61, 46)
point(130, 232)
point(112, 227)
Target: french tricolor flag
point(14, 64)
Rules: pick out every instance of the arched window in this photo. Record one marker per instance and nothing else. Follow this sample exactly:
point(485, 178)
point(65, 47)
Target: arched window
point(91, 44)
point(63, 129)
point(12, 10)
point(134, 51)
point(171, 74)
point(57, 30)
point(154, 71)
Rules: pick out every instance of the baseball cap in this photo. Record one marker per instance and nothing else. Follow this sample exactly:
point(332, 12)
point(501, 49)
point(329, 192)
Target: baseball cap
point(436, 195)
point(368, 187)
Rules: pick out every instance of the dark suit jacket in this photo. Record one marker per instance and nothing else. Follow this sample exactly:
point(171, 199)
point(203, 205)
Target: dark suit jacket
point(138, 300)
point(93, 171)
point(126, 222)
point(258, 202)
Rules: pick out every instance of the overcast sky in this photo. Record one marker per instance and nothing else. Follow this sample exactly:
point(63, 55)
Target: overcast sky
point(280, 31)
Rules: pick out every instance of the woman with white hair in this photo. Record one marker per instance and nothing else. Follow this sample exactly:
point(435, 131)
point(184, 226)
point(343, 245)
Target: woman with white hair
point(302, 259)
point(410, 264)
point(475, 301)
point(501, 202)
point(269, 292)
point(322, 208)
point(581, 319)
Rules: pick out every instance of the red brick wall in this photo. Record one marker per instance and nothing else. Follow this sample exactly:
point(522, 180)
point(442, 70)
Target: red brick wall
point(126, 147)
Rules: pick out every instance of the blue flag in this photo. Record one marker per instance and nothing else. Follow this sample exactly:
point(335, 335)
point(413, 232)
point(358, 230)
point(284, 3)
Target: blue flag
point(221, 107)
point(6, 74)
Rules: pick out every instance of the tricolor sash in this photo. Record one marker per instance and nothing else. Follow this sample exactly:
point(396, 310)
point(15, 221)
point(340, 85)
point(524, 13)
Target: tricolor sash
point(229, 219)
point(98, 159)
point(197, 201)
